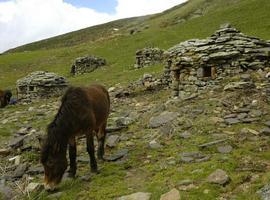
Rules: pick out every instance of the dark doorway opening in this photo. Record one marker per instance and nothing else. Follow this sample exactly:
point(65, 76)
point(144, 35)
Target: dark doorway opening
point(207, 72)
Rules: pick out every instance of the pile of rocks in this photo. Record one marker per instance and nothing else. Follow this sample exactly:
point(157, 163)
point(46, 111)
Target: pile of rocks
point(226, 53)
point(86, 64)
point(148, 82)
point(40, 84)
point(148, 56)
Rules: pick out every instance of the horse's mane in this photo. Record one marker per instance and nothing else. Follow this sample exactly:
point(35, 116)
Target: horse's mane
point(67, 119)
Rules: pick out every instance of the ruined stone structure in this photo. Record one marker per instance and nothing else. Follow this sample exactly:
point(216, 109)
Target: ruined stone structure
point(86, 64)
point(226, 53)
point(148, 56)
point(40, 84)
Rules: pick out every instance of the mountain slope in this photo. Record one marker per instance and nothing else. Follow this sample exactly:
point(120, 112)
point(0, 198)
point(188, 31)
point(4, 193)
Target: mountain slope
point(163, 30)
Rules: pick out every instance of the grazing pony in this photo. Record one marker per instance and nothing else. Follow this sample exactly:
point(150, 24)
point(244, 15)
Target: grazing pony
point(5, 98)
point(84, 111)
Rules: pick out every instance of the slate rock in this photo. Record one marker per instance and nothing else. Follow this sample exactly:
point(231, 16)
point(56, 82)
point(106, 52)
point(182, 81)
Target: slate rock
point(185, 182)
point(245, 77)
point(20, 170)
point(86, 178)
point(112, 141)
point(242, 116)
point(118, 155)
point(5, 152)
point(35, 170)
point(167, 129)
point(265, 131)
point(189, 157)
point(239, 85)
point(255, 113)
point(6, 193)
point(231, 121)
point(225, 149)
point(16, 142)
point(219, 177)
point(124, 121)
point(264, 192)
point(267, 123)
point(154, 145)
point(185, 135)
point(171, 195)
point(56, 195)
point(162, 119)
point(136, 196)
point(23, 130)
point(83, 159)
point(250, 120)
point(34, 187)
point(230, 116)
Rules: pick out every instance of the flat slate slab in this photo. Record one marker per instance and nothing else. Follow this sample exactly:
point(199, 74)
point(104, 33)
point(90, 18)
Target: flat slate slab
point(118, 155)
point(162, 119)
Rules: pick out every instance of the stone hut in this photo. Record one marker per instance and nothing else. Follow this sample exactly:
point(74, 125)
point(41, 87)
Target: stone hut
point(148, 56)
point(226, 53)
point(86, 64)
point(40, 84)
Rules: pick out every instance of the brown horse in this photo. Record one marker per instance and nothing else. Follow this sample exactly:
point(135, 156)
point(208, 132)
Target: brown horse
point(5, 98)
point(84, 111)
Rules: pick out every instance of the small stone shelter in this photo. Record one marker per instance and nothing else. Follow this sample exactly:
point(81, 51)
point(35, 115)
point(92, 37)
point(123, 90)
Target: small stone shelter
point(226, 53)
point(41, 84)
point(148, 56)
point(86, 64)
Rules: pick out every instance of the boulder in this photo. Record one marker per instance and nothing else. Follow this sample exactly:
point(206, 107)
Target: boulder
point(171, 195)
point(219, 177)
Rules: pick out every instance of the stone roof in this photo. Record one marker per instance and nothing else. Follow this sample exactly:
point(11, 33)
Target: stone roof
point(225, 43)
point(42, 78)
point(151, 50)
point(90, 59)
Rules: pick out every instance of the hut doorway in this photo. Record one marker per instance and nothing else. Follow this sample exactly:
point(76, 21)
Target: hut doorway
point(209, 72)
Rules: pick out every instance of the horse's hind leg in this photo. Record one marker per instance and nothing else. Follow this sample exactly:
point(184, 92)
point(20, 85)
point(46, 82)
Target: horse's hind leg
point(91, 151)
point(72, 156)
point(101, 141)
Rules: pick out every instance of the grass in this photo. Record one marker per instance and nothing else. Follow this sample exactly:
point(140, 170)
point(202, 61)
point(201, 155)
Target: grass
point(149, 170)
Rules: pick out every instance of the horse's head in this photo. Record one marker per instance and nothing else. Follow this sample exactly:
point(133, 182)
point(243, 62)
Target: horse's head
point(53, 159)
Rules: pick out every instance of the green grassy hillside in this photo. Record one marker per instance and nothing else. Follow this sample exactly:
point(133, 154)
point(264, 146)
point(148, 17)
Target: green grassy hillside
point(200, 121)
point(164, 30)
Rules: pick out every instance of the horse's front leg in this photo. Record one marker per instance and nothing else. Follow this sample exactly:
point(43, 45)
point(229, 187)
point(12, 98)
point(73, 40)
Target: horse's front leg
point(91, 151)
point(101, 141)
point(72, 156)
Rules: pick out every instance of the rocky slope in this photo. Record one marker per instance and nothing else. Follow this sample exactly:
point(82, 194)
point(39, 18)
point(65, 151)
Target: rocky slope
point(214, 145)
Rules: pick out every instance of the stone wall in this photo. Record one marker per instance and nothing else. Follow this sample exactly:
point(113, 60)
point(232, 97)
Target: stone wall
point(86, 64)
point(148, 56)
point(40, 84)
point(226, 53)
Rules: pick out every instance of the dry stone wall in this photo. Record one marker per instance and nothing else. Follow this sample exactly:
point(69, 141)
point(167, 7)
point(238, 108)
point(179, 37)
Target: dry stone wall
point(148, 56)
point(226, 53)
point(40, 84)
point(86, 64)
